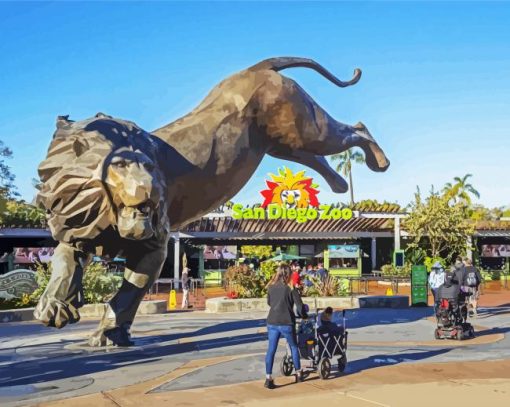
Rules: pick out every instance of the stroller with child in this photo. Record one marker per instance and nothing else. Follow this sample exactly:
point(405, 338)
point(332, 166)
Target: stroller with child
point(319, 341)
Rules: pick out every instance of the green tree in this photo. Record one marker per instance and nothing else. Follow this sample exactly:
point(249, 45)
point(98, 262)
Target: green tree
point(438, 226)
point(480, 212)
point(344, 165)
point(461, 190)
point(7, 187)
point(256, 251)
point(21, 214)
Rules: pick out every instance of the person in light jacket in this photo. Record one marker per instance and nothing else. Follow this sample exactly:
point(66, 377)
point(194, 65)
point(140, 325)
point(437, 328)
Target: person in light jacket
point(436, 280)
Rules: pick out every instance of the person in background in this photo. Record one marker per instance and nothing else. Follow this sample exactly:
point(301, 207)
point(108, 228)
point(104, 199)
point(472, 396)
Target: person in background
point(295, 278)
point(471, 284)
point(281, 321)
point(436, 280)
point(305, 277)
point(460, 273)
point(321, 271)
point(186, 282)
point(450, 289)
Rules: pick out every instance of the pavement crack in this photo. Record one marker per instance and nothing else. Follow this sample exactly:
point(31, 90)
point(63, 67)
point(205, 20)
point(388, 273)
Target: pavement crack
point(364, 399)
point(110, 397)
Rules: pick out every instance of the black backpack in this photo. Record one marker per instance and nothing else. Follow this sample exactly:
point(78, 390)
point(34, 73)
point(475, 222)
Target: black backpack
point(471, 279)
point(449, 277)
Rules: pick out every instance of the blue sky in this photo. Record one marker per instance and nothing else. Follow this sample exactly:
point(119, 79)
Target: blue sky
point(435, 89)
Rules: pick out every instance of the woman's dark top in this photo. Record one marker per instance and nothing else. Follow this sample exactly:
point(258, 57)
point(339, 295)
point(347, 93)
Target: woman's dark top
point(281, 300)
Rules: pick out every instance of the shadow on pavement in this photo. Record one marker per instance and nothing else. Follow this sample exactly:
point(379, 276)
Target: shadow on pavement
point(362, 317)
point(73, 365)
point(389, 359)
point(38, 371)
point(492, 331)
point(493, 311)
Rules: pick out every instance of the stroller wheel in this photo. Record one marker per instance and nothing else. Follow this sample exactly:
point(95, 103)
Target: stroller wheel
point(324, 368)
point(437, 334)
point(342, 363)
point(286, 366)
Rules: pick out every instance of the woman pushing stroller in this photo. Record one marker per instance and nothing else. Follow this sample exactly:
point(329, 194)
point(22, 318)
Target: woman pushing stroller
point(281, 321)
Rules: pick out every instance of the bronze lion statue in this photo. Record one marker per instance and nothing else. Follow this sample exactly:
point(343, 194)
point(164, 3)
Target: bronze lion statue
point(110, 187)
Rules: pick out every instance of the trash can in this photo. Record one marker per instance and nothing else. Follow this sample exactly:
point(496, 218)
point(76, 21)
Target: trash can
point(419, 286)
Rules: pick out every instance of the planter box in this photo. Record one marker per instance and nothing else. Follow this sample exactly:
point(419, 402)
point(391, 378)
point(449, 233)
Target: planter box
point(87, 311)
point(216, 305)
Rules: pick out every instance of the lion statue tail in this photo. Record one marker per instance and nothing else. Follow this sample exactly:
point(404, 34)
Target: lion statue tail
point(280, 63)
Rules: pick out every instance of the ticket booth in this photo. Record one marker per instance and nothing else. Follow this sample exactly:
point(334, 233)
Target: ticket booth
point(343, 260)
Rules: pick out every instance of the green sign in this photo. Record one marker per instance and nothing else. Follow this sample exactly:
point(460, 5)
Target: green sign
point(419, 285)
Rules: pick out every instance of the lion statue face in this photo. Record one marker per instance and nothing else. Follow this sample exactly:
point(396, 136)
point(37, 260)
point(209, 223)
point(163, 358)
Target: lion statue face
point(134, 189)
point(102, 173)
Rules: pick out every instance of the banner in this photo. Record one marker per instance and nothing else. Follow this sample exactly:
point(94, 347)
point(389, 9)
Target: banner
point(496, 250)
point(220, 252)
point(344, 251)
point(30, 255)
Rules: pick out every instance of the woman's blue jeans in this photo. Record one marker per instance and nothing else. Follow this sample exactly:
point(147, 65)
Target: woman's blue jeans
point(274, 332)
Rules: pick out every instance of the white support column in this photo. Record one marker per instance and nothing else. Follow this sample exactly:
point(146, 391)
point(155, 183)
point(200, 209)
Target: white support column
point(373, 253)
point(177, 274)
point(397, 233)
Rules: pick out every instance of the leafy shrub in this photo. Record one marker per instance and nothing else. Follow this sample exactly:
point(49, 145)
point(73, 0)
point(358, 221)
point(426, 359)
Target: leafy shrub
point(389, 270)
point(329, 287)
point(430, 261)
point(268, 269)
point(99, 285)
point(245, 282)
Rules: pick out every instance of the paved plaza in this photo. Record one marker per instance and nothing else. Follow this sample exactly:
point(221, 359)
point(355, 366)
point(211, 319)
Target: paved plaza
point(180, 358)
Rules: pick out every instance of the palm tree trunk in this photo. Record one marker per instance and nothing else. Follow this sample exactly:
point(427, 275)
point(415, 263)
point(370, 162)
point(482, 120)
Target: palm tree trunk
point(351, 188)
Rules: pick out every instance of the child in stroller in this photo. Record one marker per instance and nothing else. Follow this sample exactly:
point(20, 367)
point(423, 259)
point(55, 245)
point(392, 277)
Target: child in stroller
point(319, 340)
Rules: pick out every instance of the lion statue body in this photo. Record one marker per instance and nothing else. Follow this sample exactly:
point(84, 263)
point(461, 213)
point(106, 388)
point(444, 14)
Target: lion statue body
point(110, 187)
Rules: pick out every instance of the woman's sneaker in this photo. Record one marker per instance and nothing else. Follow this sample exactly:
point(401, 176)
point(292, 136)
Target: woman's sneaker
point(269, 384)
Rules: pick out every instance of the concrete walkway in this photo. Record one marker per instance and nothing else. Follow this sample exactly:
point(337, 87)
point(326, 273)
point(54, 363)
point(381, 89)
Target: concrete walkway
point(393, 359)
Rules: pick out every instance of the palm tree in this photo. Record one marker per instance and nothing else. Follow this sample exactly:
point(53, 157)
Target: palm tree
point(344, 165)
point(461, 190)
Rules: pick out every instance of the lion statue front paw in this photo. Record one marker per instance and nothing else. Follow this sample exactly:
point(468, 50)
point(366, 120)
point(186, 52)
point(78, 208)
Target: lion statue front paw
point(56, 313)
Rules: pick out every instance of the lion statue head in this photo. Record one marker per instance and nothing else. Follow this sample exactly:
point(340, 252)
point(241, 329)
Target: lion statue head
point(102, 173)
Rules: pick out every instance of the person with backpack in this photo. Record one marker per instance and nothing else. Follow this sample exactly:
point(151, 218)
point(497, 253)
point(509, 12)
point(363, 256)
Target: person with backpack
point(436, 280)
point(460, 271)
point(471, 283)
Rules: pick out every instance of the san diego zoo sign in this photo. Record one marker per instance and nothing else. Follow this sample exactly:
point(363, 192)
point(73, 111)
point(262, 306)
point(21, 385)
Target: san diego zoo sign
point(291, 196)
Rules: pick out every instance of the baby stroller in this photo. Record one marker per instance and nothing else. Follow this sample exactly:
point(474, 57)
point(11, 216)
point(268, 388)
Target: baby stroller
point(318, 346)
point(451, 320)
